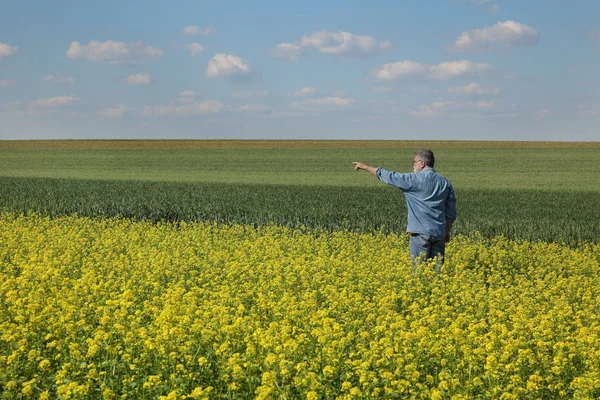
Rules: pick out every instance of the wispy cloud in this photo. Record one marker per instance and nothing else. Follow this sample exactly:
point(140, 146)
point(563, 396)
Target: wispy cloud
point(112, 112)
point(59, 80)
point(492, 8)
point(543, 113)
point(196, 30)
point(324, 103)
point(430, 111)
point(343, 43)
point(289, 51)
point(43, 106)
point(7, 50)
point(503, 34)
point(587, 109)
point(255, 109)
point(139, 79)
point(443, 108)
point(7, 82)
point(58, 101)
point(112, 52)
point(337, 43)
point(195, 49)
point(186, 97)
point(196, 108)
point(305, 91)
point(249, 94)
point(440, 72)
point(473, 89)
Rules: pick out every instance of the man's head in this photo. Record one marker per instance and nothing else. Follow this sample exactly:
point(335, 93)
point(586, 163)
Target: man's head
point(422, 159)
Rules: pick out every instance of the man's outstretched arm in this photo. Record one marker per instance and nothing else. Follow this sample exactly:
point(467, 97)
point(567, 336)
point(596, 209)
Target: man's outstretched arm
point(358, 166)
point(402, 181)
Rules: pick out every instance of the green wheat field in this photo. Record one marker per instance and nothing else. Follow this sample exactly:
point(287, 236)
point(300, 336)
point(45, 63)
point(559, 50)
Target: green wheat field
point(526, 190)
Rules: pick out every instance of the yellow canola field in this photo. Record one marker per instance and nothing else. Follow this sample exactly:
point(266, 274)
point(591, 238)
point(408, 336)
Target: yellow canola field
point(114, 308)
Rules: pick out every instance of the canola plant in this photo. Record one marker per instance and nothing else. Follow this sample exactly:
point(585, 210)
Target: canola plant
point(118, 308)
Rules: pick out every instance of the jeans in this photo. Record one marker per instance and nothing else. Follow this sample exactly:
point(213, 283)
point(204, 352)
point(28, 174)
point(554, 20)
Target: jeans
point(425, 246)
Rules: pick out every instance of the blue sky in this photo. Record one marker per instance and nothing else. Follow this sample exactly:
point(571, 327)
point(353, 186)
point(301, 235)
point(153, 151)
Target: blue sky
point(402, 70)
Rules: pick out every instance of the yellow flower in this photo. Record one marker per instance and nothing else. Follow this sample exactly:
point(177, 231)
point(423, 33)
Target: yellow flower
point(312, 395)
point(294, 311)
point(44, 365)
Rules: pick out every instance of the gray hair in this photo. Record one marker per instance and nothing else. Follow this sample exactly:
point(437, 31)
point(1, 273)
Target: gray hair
point(426, 156)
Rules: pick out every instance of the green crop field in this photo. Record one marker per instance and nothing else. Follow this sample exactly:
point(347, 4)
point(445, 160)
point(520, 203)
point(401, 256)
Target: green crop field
point(495, 166)
point(540, 191)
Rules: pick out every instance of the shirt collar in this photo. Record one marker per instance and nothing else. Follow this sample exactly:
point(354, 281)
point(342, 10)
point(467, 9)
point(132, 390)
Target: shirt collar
point(427, 169)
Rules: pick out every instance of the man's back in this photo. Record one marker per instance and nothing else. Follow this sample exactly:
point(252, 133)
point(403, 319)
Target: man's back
point(429, 198)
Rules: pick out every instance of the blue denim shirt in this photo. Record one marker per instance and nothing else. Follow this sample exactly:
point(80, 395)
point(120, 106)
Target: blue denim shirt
point(429, 197)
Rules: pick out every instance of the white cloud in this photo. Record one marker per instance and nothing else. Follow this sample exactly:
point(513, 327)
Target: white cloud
point(343, 43)
point(114, 112)
point(139, 79)
point(59, 80)
point(473, 89)
point(227, 65)
point(195, 49)
point(249, 94)
point(256, 108)
point(543, 113)
point(186, 97)
point(7, 51)
point(503, 34)
point(441, 108)
point(305, 91)
point(287, 51)
point(198, 108)
point(337, 43)
point(385, 45)
point(7, 82)
point(492, 8)
point(440, 72)
point(434, 110)
point(44, 106)
point(482, 105)
point(402, 69)
point(457, 69)
point(324, 103)
point(196, 30)
point(112, 52)
point(58, 101)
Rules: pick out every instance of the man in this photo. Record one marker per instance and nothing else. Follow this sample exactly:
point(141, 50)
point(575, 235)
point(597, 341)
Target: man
point(430, 200)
